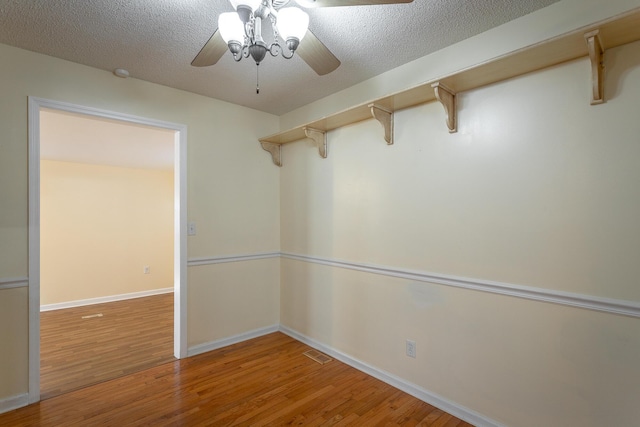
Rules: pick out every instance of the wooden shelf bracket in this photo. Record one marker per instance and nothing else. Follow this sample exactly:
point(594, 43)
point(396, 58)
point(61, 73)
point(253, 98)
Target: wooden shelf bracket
point(319, 139)
point(385, 117)
point(447, 98)
point(596, 55)
point(275, 150)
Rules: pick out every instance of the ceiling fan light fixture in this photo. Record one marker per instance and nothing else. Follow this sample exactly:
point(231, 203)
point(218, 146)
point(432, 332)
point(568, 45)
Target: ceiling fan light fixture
point(231, 27)
point(292, 23)
point(241, 32)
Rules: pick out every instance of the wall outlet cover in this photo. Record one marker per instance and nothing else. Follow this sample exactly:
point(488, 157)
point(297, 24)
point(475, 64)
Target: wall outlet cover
point(411, 348)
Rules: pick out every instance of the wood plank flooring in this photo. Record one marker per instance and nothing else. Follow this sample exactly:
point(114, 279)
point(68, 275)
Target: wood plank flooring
point(129, 336)
point(260, 382)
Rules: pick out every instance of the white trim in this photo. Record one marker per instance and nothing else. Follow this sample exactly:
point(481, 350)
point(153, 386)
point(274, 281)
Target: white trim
point(231, 258)
point(590, 302)
point(13, 402)
point(102, 300)
point(214, 345)
point(180, 242)
point(425, 395)
point(13, 282)
point(34, 248)
point(180, 226)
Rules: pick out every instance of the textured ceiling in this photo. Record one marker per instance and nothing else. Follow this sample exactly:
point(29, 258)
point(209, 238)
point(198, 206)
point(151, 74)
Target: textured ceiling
point(156, 40)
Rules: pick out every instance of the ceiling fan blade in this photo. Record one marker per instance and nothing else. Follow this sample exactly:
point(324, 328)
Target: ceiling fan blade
point(211, 52)
point(315, 53)
point(332, 3)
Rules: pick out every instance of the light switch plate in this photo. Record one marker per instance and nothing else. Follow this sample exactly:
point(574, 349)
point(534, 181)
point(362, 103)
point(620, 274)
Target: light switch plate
point(191, 229)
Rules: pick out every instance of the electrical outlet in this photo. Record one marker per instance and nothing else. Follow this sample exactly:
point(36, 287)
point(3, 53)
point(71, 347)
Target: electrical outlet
point(147, 270)
point(411, 348)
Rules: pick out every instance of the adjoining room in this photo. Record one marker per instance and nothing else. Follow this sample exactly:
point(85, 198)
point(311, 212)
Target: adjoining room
point(106, 249)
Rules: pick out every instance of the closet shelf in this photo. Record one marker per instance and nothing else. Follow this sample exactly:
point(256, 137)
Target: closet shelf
point(592, 40)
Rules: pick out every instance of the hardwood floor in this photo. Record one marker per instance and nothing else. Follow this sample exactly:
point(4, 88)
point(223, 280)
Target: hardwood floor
point(79, 348)
point(264, 381)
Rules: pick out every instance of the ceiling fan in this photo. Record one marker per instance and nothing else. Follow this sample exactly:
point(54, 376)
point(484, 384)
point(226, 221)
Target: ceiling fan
point(241, 33)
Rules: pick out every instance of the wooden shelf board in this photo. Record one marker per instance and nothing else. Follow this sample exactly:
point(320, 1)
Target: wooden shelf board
point(614, 32)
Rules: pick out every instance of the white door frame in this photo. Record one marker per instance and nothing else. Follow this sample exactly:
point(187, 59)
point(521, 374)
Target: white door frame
point(180, 227)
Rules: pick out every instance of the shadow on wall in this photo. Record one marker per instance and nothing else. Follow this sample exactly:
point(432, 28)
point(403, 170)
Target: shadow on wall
point(618, 65)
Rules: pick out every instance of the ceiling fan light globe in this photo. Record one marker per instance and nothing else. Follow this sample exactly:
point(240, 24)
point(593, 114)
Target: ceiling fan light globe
point(251, 4)
point(307, 3)
point(231, 27)
point(292, 23)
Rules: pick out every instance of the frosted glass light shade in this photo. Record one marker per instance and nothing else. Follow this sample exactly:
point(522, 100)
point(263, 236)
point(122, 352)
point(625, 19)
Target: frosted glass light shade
point(252, 4)
point(307, 3)
point(292, 22)
point(231, 27)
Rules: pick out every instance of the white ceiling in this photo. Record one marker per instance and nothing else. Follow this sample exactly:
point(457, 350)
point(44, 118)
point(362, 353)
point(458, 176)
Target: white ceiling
point(79, 138)
point(156, 40)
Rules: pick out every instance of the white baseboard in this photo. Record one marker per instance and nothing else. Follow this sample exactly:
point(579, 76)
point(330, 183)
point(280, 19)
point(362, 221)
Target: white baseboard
point(431, 398)
point(101, 300)
point(13, 402)
point(214, 345)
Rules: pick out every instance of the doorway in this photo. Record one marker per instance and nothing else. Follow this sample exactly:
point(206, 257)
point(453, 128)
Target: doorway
point(36, 108)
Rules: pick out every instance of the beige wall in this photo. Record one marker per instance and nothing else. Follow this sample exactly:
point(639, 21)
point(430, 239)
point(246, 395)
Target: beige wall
point(227, 288)
point(537, 188)
point(99, 227)
point(14, 319)
point(232, 186)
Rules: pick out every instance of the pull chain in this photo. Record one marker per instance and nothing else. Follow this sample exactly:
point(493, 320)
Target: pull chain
point(257, 78)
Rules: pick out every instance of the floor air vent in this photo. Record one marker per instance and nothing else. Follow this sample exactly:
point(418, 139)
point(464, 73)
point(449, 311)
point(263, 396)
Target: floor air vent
point(321, 358)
